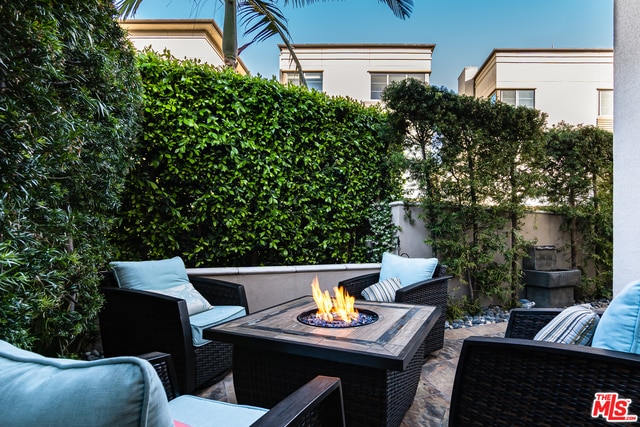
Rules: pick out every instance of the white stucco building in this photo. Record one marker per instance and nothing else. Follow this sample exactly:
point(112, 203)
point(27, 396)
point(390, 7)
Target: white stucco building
point(358, 71)
point(184, 38)
point(571, 85)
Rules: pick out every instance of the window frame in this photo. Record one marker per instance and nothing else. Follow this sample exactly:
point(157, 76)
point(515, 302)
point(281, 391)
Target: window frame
point(293, 78)
point(387, 74)
point(610, 108)
point(517, 96)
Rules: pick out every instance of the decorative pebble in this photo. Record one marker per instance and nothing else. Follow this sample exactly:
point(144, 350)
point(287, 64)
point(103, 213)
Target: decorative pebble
point(497, 314)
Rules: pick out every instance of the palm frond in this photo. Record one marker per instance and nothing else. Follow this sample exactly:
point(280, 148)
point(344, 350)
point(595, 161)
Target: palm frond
point(265, 19)
point(400, 8)
point(262, 18)
point(127, 8)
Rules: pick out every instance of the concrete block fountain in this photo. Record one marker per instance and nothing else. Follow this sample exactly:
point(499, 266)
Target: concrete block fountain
point(545, 284)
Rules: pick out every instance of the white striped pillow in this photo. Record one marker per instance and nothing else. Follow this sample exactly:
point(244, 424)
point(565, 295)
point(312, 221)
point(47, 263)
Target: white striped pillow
point(384, 291)
point(574, 325)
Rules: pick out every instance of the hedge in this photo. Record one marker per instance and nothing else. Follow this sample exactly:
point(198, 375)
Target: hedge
point(70, 94)
point(238, 170)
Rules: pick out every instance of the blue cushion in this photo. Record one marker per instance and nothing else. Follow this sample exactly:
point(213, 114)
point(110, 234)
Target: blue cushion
point(219, 314)
point(408, 270)
point(384, 291)
point(42, 391)
point(574, 325)
point(198, 412)
point(149, 275)
point(619, 326)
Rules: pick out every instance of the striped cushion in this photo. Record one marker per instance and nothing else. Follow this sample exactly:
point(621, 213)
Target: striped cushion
point(574, 325)
point(384, 291)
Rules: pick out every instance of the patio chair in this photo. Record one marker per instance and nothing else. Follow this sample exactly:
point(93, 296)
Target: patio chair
point(432, 291)
point(134, 392)
point(137, 319)
point(539, 374)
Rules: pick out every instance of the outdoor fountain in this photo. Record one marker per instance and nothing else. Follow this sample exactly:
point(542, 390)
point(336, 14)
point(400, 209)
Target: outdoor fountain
point(547, 285)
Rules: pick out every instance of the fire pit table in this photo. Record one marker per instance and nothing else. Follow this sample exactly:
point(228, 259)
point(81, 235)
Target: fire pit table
point(379, 363)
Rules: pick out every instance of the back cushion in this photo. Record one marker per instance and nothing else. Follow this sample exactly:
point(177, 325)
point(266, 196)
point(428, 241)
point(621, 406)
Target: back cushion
point(408, 270)
point(619, 326)
point(150, 275)
point(41, 391)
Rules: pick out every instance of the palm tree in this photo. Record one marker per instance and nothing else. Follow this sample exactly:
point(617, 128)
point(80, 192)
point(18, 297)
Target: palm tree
point(263, 19)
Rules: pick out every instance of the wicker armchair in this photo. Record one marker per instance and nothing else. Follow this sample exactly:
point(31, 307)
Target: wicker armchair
point(517, 381)
point(134, 322)
point(428, 292)
point(317, 403)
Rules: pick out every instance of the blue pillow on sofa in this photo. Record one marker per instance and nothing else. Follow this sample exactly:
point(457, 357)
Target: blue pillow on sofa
point(408, 270)
point(619, 326)
point(42, 391)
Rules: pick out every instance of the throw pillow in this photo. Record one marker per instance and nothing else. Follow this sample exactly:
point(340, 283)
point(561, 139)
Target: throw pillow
point(150, 275)
point(196, 303)
point(384, 291)
point(619, 327)
point(407, 270)
point(574, 325)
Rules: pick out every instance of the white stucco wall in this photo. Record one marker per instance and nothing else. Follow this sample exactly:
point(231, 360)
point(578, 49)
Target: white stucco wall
point(626, 144)
point(566, 81)
point(180, 47)
point(346, 68)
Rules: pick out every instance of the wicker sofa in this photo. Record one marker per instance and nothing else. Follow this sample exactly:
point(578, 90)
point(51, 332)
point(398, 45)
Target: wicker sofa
point(134, 322)
point(517, 381)
point(427, 292)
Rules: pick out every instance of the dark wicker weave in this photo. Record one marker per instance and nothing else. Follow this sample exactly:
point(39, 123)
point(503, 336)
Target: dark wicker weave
point(527, 322)
point(317, 403)
point(372, 397)
point(517, 382)
point(429, 292)
point(135, 322)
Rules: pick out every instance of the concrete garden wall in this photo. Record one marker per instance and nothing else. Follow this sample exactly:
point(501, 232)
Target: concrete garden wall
point(269, 286)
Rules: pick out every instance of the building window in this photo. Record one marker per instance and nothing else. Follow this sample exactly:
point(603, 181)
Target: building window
point(314, 80)
point(517, 97)
point(379, 81)
point(605, 102)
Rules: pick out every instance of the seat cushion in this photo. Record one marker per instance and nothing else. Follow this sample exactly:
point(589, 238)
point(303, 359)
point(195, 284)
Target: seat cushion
point(42, 391)
point(384, 291)
point(574, 325)
point(217, 315)
point(408, 270)
point(150, 275)
point(198, 412)
point(196, 303)
point(619, 326)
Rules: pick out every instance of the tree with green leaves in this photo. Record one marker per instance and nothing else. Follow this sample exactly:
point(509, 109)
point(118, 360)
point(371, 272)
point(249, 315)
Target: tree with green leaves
point(70, 94)
point(263, 19)
point(579, 171)
point(474, 165)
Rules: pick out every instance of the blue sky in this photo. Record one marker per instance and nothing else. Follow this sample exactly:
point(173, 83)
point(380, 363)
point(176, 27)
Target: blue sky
point(464, 31)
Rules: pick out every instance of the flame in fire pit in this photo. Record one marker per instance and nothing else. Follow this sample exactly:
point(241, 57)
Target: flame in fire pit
point(340, 307)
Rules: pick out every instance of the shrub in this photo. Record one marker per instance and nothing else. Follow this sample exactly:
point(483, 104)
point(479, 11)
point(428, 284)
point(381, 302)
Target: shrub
point(238, 170)
point(69, 99)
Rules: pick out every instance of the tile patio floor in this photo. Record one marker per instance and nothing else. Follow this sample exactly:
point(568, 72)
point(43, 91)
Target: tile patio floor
point(431, 405)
